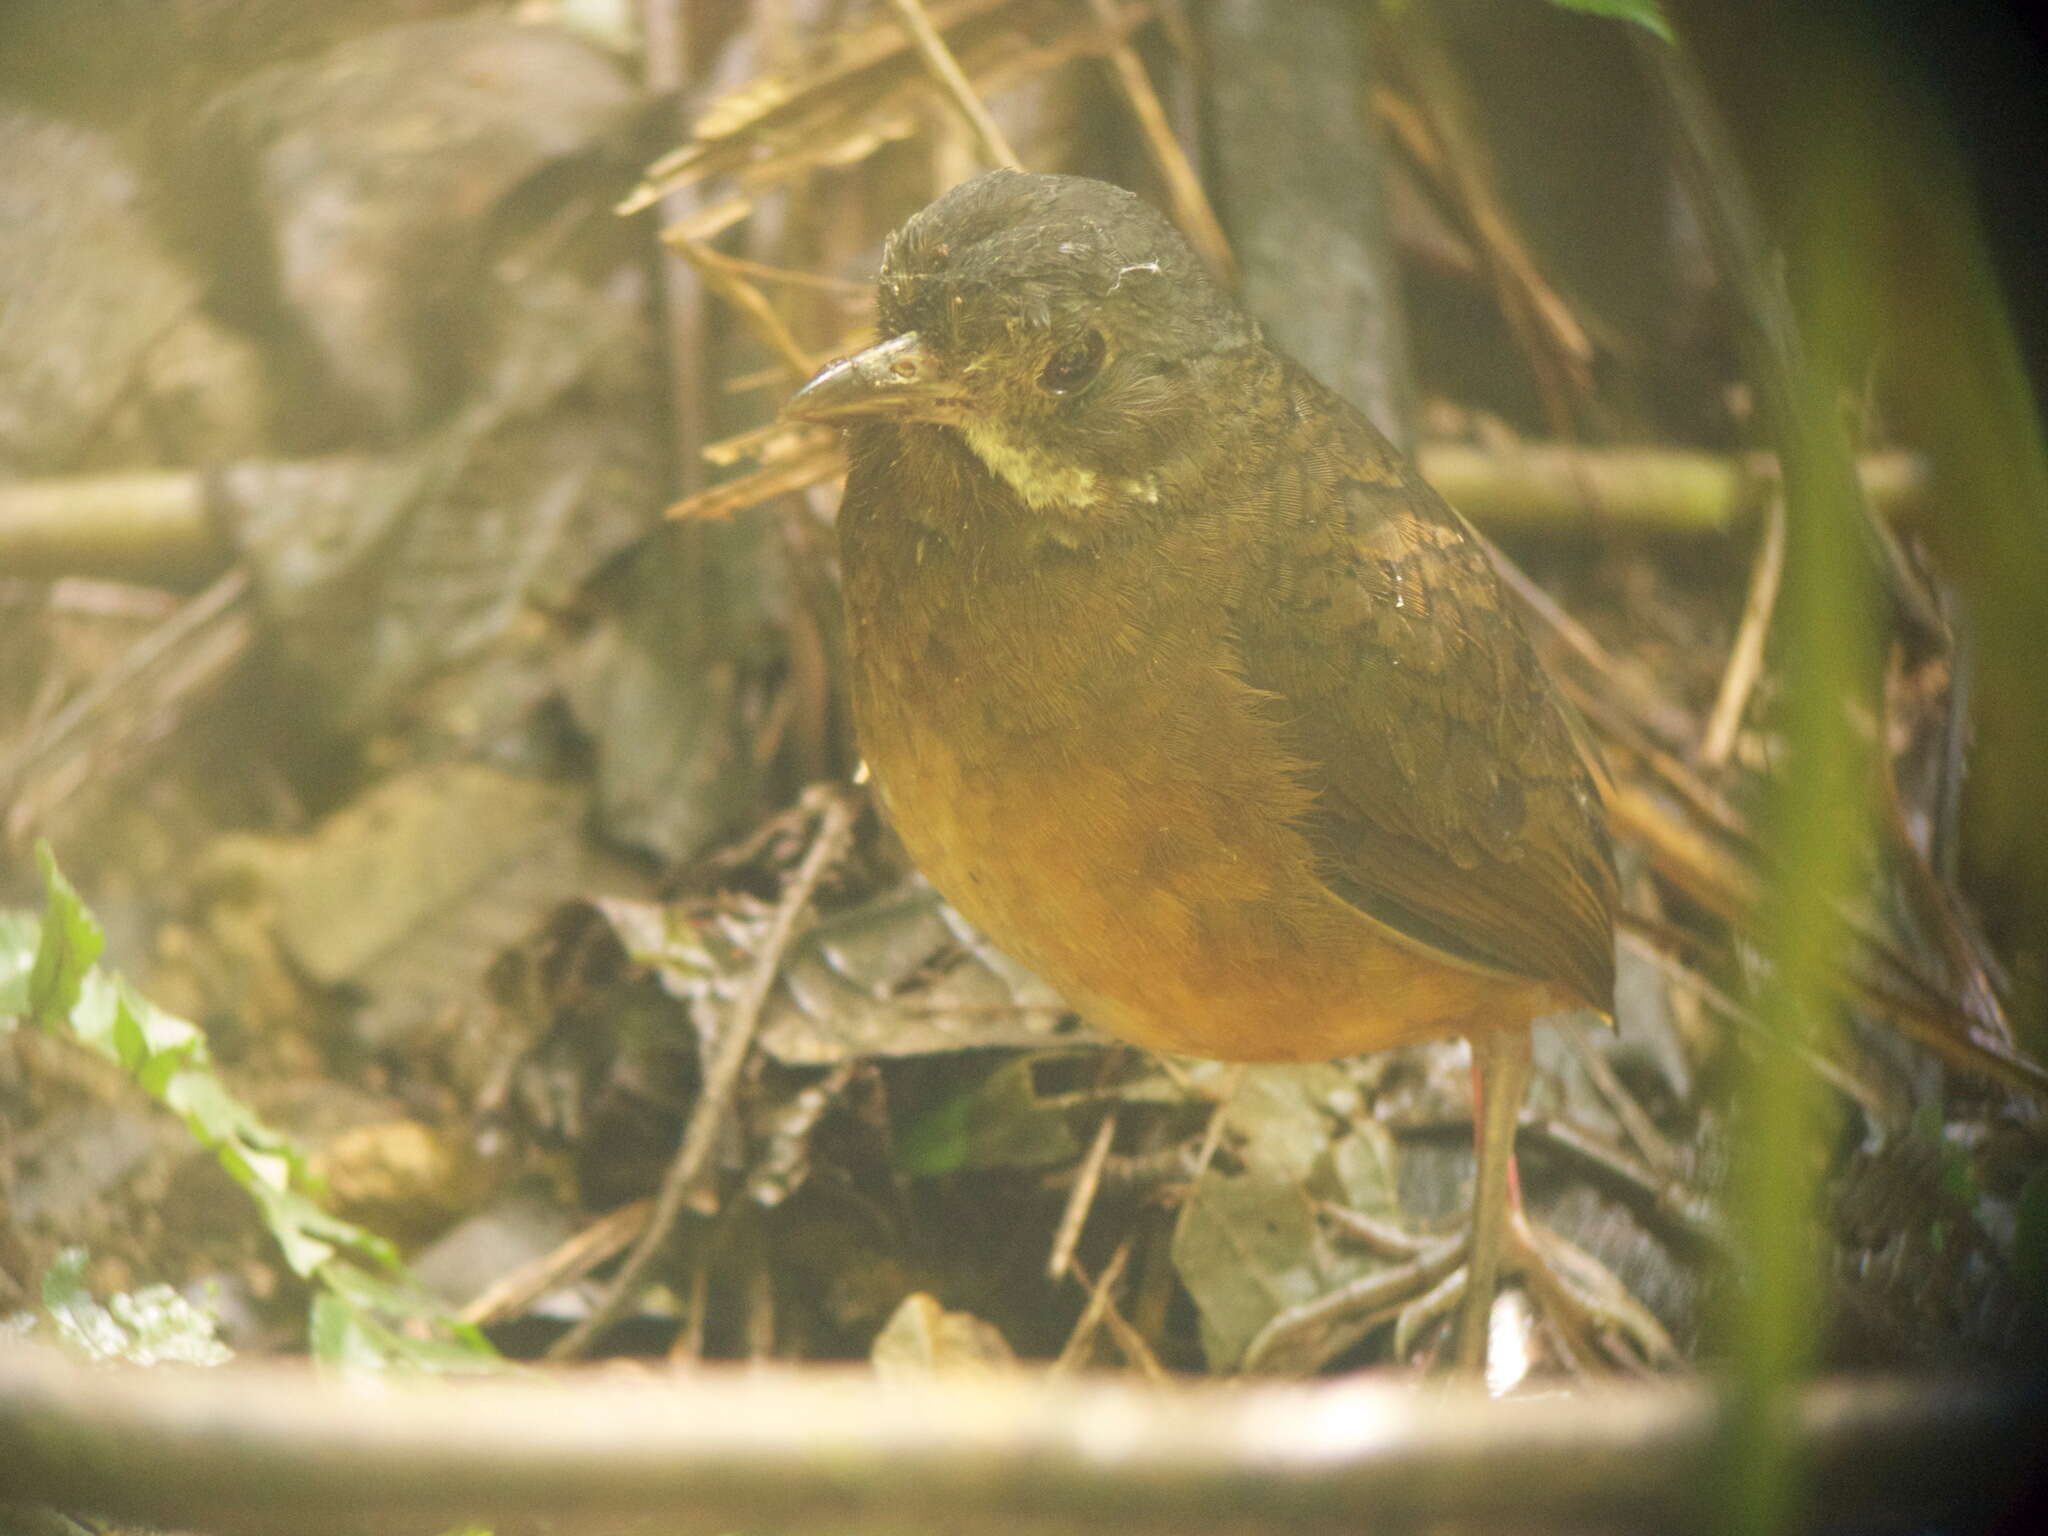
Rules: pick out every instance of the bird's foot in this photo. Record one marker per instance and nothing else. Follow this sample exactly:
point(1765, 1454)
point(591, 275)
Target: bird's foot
point(1594, 1321)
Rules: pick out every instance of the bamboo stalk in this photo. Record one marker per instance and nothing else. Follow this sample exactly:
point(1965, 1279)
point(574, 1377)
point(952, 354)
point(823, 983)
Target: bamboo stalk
point(1676, 490)
point(152, 524)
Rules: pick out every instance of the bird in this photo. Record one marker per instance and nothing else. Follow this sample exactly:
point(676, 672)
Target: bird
point(1177, 680)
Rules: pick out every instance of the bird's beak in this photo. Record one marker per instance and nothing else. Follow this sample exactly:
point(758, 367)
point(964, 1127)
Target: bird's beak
point(894, 380)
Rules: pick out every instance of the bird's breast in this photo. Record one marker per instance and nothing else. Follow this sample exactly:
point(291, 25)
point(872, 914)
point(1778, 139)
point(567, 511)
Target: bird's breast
point(1062, 738)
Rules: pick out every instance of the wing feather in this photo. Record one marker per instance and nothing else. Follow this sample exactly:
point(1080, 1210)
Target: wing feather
point(1450, 796)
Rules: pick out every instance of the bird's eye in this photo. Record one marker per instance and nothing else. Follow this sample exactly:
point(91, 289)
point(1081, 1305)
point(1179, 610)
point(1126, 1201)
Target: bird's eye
point(1074, 366)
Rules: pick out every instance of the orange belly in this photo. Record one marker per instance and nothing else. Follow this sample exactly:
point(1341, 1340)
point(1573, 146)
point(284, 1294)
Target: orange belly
point(1180, 918)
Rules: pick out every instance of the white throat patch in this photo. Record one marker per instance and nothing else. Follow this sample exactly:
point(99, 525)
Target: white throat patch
point(1043, 482)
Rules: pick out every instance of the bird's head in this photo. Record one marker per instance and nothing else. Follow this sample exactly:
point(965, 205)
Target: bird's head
point(1059, 325)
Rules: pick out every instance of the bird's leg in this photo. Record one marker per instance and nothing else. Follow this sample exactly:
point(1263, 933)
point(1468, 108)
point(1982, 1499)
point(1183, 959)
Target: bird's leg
point(1591, 1311)
point(1582, 1299)
point(1500, 1076)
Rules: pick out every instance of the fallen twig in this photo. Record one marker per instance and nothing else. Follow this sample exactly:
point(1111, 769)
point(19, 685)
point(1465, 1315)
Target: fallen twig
point(1075, 1352)
point(1129, 1342)
point(1746, 656)
point(131, 703)
point(564, 1264)
point(834, 812)
point(1081, 1198)
point(155, 525)
point(1650, 1142)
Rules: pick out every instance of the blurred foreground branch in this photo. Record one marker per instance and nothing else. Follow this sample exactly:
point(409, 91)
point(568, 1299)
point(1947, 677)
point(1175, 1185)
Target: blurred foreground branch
point(244, 1448)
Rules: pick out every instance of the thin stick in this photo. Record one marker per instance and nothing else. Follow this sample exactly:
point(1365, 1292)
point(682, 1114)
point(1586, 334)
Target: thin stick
point(1526, 487)
point(834, 811)
point(1746, 658)
point(689, 1343)
point(1298, 1338)
point(1129, 1342)
point(1081, 1199)
point(568, 1261)
point(1383, 1239)
point(751, 489)
point(1192, 210)
point(1073, 1354)
point(945, 69)
point(1662, 1194)
point(1934, 899)
point(1623, 735)
point(1836, 1076)
point(1631, 680)
point(148, 684)
point(1723, 883)
point(751, 302)
point(133, 663)
point(1212, 1134)
point(861, 73)
point(1657, 1152)
point(793, 277)
point(1444, 138)
point(1695, 863)
point(1943, 1029)
point(772, 442)
point(1540, 483)
point(152, 525)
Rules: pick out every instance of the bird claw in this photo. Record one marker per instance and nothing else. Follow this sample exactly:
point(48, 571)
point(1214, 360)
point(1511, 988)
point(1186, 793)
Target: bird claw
point(1299, 1339)
point(1586, 1301)
point(1440, 1300)
point(1593, 1318)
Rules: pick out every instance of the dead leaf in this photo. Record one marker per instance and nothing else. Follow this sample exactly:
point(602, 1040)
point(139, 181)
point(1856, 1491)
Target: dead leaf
point(923, 1339)
point(1249, 1243)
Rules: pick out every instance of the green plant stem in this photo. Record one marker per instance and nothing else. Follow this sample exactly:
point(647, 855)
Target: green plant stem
point(1816, 814)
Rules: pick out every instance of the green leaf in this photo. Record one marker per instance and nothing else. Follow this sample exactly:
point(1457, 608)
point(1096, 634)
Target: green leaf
point(152, 1326)
point(64, 1281)
point(131, 1045)
point(1647, 14)
point(936, 1143)
point(361, 1290)
point(336, 1336)
point(357, 1328)
point(20, 936)
point(69, 944)
point(1003, 1123)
